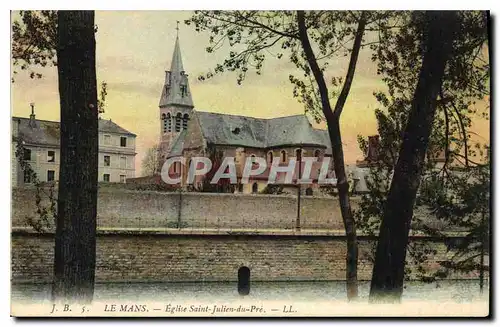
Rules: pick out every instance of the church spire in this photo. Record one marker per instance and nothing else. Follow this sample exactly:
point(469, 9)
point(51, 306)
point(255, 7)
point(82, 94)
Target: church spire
point(176, 87)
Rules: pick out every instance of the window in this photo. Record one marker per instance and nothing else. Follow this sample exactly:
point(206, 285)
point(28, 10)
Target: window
point(27, 155)
point(164, 121)
point(184, 90)
point(122, 178)
point(107, 161)
point(167, 123)
point(51, 156)
point(270, 157)
point(309, 191)
point(107, 139)
point(123, 162)
point(50, 175)
point(123, 141)
point(298, 154)
point(27, 176)
point(178, 119)
point(283, 156)
point(185, 121)
point(317, 153)
point(105, 177)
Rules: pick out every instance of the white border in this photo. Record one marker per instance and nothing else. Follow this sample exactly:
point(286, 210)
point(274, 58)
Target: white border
point(189, 5)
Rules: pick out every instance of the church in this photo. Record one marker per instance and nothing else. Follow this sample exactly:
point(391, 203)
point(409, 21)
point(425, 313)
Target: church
point(187, 132)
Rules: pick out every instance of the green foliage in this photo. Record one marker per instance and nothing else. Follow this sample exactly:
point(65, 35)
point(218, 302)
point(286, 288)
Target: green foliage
point(456, 194)
point(46, 214)
point(273, 189)
point(101, 100)
point(253, 36)
point(34, 40)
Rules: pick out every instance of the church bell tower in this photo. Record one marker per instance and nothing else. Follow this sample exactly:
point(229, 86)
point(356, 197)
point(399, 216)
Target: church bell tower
point(176, 103)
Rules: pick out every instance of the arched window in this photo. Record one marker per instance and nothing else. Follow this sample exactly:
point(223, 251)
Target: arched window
point(185, 121)
point(317, 153)
point(283, 156)
point(298, 154)
point(169, 122)
point(244, 280)
point(270, 157)
point(255, 188)
point(164, 122)
point(178, 119)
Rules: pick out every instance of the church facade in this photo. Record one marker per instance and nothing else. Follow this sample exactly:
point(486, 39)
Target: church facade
point(187, 132)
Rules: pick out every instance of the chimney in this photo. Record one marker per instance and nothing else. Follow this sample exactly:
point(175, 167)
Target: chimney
point(32, 122)
point(373, 148)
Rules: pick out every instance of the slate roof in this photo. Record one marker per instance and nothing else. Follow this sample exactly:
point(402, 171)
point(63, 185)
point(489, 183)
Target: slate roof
point(48, 132)
point(178, 145)
point(173, 80)
point(108, 126)
point(224, 129)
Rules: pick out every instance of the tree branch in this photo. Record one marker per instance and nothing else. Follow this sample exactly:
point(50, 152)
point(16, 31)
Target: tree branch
point(311, 59)
point(339, 106)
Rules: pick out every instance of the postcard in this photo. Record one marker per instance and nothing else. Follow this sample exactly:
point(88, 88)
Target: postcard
point(250, 163)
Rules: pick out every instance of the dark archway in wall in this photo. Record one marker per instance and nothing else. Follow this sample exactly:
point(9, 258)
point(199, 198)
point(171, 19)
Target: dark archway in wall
point(255, 188)
point(309, 191)
point(244, 280)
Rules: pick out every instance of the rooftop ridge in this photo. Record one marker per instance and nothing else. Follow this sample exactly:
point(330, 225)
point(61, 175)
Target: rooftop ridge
point(243, 116)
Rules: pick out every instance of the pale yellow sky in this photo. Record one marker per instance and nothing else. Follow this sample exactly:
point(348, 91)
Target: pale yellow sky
point(134, 48)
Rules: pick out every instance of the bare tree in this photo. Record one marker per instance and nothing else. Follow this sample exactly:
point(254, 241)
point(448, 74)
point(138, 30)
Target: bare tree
point(151, 162)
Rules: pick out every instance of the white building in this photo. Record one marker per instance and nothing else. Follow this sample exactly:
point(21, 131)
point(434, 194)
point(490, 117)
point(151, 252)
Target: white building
point(41, 143)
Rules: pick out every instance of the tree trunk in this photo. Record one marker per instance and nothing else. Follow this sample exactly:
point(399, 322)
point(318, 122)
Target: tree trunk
point(333, 122)
point(388, 271)
point(345, 210)
point(75, 239)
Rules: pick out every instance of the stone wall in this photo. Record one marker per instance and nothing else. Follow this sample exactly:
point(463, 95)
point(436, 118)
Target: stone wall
point(137, 239)
point(143, 257)
point(149, 209)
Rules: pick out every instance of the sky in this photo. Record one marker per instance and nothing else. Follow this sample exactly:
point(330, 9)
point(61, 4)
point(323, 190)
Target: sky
point(133, 50)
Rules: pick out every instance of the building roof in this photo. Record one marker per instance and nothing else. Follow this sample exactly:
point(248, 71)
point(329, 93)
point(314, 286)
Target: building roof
point(178, 145)
point(108, 126)
point(171, 92)
point(46, 132)
point(224, 129)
